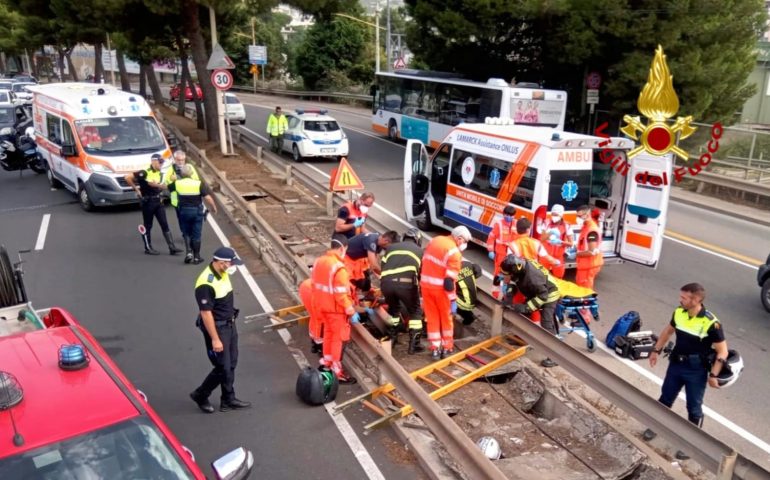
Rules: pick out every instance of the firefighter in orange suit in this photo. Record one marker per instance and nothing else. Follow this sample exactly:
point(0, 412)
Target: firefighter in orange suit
point(352, 215)
point(441, 263)
point(333, 303)
point(503, 232)
point(314, 326)
point(589, 257)
point(556, 237)
point(530, 249)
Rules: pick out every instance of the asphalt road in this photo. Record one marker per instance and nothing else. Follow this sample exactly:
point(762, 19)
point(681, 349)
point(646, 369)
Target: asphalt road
point(732, 292)
point(142, 310)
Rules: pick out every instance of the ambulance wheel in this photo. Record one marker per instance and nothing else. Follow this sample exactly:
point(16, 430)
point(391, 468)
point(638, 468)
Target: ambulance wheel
point(392, 130)
point(295, 155)
point(83, 198)
point(766, 294)
point(51, 178)
point(590, 344)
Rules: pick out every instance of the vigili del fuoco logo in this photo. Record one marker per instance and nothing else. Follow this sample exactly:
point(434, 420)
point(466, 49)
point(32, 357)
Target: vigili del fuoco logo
point(658, 103)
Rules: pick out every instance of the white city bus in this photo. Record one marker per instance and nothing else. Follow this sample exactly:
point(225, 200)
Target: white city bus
point(425, 106)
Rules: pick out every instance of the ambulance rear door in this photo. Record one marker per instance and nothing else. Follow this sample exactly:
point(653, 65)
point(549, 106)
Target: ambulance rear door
point(416, 180)
point(645, 208)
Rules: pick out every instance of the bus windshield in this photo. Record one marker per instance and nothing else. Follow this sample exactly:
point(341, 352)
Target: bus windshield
point(120, 135)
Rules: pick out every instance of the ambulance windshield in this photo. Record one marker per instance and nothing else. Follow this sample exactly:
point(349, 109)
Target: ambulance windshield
point(120, 135)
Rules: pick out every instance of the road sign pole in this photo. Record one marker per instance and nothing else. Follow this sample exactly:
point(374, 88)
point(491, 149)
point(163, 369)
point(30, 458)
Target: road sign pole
point(254, 42)
point(220, 117)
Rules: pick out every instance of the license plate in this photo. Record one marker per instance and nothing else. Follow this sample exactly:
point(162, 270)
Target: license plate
point(328, 150)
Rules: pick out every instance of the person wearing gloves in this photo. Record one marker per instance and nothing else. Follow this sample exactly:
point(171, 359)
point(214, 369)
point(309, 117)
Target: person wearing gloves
point(441, 264)
point(540, 293)
point(503, 233)
point(589, 257)
point(352, 215)
point(557, 237)
point(333, 303)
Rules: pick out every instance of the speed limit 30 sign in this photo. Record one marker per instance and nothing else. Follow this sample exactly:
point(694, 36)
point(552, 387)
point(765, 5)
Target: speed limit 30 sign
point(222, 79)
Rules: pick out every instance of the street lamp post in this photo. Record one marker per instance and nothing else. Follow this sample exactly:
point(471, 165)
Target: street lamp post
point(377, 36)
point(390, 64)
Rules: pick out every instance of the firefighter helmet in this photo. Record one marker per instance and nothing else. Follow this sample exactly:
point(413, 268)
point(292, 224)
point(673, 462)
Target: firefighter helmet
point(414, 235)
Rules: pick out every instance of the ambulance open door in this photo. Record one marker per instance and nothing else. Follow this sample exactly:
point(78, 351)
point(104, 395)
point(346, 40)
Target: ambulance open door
point(645, 208)
point(416, 181)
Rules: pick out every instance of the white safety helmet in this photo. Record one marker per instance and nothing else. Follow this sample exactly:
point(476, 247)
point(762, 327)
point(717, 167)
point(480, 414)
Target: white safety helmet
point(731, 369)
point(462, 232)
point(490, 448)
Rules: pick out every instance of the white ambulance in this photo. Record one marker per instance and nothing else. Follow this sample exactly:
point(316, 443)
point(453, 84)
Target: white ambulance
point(480, 168)
point(91, 136)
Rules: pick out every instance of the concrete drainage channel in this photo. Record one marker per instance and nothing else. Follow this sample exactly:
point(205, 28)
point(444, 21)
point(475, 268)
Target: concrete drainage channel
point(544, 431)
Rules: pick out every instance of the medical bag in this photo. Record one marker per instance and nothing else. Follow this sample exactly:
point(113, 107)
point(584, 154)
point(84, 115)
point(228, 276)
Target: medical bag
point(635, 345)
point(316, 386)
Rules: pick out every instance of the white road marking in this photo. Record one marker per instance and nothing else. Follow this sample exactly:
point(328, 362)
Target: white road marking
point(358, 449)
point(43, 231)
point(753, 439)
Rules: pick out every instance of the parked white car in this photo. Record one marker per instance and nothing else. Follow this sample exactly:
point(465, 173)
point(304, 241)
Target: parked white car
point(235, 110)
point(21, 92)
point(312, 133)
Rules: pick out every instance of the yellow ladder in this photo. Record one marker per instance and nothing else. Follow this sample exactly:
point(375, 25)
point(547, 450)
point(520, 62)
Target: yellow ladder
point(445, 376)
point(284, 318)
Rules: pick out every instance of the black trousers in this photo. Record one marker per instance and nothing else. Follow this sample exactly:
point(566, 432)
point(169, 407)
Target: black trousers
point(403, 299)
point(548, 318)
point(224, 362)
point(152, 208)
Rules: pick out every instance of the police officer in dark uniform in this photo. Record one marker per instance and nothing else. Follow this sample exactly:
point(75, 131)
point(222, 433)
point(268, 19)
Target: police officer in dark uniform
point(214, 294)
point(467, 292)
point(366, 246)
point(401, 288)
point(190, 193)
point(150, 185)
point(540, 291)
point(697, 332)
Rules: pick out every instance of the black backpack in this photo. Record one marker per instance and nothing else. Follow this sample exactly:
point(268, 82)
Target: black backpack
point(317, 386)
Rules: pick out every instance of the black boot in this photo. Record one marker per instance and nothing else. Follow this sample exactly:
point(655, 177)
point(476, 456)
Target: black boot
point(414, 341)
point(172, 250)
point(196, 249)
point(188, 256)
point(148, 250)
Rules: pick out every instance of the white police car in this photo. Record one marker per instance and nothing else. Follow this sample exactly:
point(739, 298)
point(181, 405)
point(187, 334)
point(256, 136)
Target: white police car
point(312, 133)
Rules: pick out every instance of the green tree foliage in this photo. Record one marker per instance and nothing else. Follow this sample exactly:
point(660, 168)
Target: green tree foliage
point(325, 9)
point(709, 46)
point(267, 32)
point(335, 50)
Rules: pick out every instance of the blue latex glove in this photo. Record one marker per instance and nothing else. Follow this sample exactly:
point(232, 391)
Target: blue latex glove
point(571, 253)
point(359, 221)
point(355, 318)
point(370, 312)
point(554, 241)
point(491, 255)
point(453, 307)
point(504, 289)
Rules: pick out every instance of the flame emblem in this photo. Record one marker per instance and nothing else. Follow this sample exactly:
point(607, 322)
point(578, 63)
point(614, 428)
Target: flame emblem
point(658, 102)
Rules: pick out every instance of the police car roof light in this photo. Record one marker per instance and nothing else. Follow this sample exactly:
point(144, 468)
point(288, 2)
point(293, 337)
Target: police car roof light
point(85, 100)
point(300, 111)
point(131, 99)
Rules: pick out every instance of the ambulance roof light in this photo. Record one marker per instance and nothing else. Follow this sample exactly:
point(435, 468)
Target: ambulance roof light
point(555, 137)
point(497, 82)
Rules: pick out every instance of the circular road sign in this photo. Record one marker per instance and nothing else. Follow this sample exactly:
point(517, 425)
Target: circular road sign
point(594, 80)
point(222, 79)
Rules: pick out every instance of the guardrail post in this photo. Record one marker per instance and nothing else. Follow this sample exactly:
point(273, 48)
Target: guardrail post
point(259, 154)
point(727, 466)
point(329, 203)
point(751, 150)
point(496, 324)
point(287, 175)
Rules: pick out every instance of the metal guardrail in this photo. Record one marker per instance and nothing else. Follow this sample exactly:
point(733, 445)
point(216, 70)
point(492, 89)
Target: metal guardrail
point(298, 93)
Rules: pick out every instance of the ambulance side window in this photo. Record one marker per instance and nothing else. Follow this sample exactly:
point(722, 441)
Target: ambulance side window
point(440, 170)
point(493, 177)
point(54, 128)
point(67, 137)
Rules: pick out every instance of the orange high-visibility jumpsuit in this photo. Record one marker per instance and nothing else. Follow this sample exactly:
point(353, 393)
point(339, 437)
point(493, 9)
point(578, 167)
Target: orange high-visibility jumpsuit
point(441, 259)
point(314, 326)
point(333, 303)
point(531, 249)
point(556, 251)
point(499, 237)
point(588, 267)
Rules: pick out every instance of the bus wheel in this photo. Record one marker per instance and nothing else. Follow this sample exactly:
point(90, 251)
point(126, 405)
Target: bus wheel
point(392, 130)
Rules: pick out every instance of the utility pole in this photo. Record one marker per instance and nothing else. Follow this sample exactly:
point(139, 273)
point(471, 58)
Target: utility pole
point(112, 67)
point(377, 37)
point(220, 115)
point(390, 64)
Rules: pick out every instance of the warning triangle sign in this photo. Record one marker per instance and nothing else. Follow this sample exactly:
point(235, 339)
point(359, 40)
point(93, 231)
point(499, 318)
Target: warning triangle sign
point(219, 59)
point(345, 178)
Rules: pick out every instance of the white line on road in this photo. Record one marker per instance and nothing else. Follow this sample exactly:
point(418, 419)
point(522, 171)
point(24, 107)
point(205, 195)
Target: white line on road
point(358, 448)
point(758, 442)
point(43, 231)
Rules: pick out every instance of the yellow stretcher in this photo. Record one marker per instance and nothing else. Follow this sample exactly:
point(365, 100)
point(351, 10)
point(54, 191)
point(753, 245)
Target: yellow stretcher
point(571, 289)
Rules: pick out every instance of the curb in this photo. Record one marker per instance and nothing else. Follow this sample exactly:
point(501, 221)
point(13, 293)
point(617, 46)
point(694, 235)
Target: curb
point(722, 211)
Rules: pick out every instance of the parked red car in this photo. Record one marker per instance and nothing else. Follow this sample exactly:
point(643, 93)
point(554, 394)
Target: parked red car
point(188, 96)
point(67, 411)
